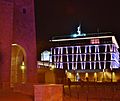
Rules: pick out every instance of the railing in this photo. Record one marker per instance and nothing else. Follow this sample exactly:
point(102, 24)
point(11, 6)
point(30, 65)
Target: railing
point(92, 91)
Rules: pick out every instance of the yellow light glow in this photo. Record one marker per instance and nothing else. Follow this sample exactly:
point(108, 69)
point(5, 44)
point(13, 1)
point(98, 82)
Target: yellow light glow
point(86, 75)
point(95, 75)
point(66, 71)
point(108, 74)
point(14, 44)
point(69, 75)
point(113, 76)
point(77, 74)
point(23, 66)
point(52, 67)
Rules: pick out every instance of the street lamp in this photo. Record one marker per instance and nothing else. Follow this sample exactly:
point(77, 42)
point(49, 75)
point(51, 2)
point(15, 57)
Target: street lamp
point(23, 71)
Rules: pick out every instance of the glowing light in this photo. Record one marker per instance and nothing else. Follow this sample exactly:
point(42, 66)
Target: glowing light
point(86, 75)
point(90, 57)
point(86, 55)
point(67, 58)
point(66, 71)
point(77, 35)
point(105, 56)
point(80, 57)
point(23, 66)
point(14, 44)
point(79, 29)
point(61, 58)
point(23, 71)
point(73, 58)
point(52, 67)
point(69, 75)
point(79, 32)
point(95, 59)
point(95, 75)
point(55, 56)
point(76, 57)
point(58, 57)
point(113, 77)
point(77, 76)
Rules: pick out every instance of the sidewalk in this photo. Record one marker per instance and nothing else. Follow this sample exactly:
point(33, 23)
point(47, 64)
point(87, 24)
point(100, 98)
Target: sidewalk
point(12, 96)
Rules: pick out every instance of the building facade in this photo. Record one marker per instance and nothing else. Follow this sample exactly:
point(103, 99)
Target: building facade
point(96, 52)
point(17, 42)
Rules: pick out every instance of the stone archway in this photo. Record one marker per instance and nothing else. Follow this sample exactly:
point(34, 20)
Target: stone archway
point(18, 65)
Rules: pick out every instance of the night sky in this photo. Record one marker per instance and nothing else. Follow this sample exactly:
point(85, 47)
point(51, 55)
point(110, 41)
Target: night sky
point(61, 17)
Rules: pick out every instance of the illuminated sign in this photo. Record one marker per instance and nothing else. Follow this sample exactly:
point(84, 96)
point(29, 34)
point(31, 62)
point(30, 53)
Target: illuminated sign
point(79, 32)
point(94, 41)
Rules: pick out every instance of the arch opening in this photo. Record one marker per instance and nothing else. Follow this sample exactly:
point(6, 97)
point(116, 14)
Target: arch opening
point(18, 65)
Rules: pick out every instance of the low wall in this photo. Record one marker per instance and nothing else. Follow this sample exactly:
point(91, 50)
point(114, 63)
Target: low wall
point(48, 92)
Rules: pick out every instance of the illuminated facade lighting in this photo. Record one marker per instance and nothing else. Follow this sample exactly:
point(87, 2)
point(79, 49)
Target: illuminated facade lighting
point(88, 53)
point(75, 58)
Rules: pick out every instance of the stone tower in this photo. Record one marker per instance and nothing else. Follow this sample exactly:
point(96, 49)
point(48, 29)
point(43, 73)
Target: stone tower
point(17, 42)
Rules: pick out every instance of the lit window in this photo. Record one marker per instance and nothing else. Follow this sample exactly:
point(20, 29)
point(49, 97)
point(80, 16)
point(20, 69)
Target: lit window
point(94, 41)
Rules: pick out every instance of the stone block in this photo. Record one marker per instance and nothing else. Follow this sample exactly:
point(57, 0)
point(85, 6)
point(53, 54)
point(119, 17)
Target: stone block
point(48, 92)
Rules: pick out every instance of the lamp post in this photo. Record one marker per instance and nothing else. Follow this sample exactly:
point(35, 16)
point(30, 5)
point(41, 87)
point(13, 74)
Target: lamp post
point(23, 71)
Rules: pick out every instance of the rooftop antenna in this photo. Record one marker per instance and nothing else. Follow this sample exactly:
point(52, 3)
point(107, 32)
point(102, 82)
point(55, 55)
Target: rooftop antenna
point(98, 30)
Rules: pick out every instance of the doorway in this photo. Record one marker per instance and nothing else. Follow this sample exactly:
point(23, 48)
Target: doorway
point(18, 65)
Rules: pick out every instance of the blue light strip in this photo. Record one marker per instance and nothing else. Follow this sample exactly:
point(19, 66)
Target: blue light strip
point(73, 58)
point(95, 59)
point(67, 58)
point(55, 57)
point(76, 57)
point(99, 57)
point(90, 57)
point(61, 58)
point(105, 57)
point(58, 57)
point(85, 57)
point(111, 49)
point(80, 57)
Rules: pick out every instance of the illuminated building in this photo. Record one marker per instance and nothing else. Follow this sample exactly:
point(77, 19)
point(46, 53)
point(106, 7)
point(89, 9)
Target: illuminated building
point(92, 52)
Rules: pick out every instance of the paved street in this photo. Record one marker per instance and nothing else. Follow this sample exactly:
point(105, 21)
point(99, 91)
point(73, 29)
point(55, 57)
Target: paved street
point(75, 93)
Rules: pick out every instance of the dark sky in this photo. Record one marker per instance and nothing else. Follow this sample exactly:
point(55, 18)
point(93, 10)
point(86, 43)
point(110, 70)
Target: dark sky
point(60, 17)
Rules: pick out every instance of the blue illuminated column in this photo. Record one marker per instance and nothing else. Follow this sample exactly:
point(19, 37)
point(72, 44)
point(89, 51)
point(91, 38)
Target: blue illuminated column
point(58, 58)
point(95, 58)
point(98, 53)
point(85, 57)
point(80, 57)
point(76, 57)
point(67, 58)
point(90, 57)
point(55, 57)
point(105, 57)
point(61, 57)
point(73, 58)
